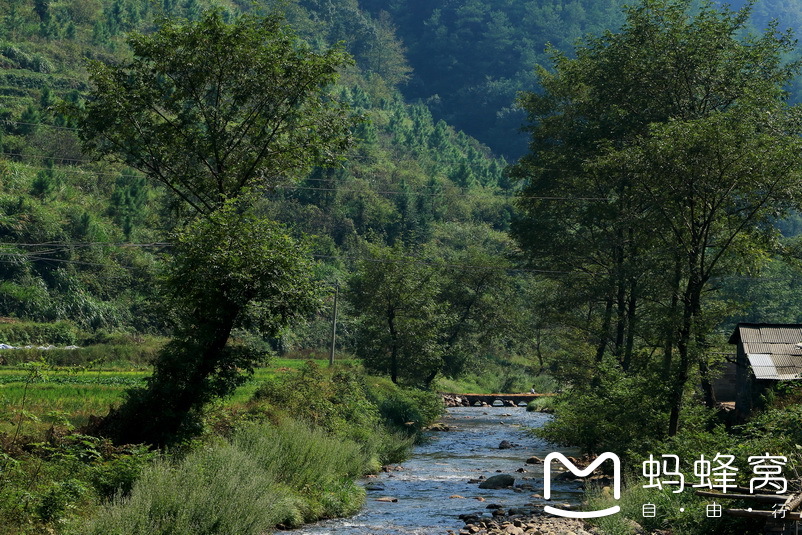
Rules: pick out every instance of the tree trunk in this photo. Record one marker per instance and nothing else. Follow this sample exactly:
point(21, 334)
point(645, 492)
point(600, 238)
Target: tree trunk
point(707, 385)
point(668, 355)
point(630, 343)
point(604, 332)
point(691, 307)
point(393, 345)
point(621, 303)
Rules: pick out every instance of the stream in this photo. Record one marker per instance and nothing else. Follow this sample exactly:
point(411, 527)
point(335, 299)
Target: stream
point(442, 467)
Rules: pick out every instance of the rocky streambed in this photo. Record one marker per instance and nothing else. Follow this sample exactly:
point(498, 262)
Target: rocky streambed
point(531, 525)
point(450, 484)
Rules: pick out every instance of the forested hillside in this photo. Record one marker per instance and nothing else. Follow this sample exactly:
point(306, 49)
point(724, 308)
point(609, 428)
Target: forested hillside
point(192, 188)
point(66, 214)
point(83, 236)
point(470, 59)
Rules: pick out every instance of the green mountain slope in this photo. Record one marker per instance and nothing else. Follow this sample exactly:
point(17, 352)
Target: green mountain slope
point(470, 59)
point(80, 238)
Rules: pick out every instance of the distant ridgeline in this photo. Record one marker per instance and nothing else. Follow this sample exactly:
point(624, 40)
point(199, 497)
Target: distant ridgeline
point(470, 58)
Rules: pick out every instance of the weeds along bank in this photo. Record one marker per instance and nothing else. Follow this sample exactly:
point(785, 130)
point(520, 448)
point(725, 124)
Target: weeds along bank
point(287, 454)
point(264, 475)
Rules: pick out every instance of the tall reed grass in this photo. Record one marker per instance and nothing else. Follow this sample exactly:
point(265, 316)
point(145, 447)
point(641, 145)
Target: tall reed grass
point(266, 475)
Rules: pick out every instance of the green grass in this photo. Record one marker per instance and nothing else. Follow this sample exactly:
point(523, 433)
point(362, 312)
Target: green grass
point(266, 475)
point(285, 473)
point(65, 406)
point(70, 395)
point(543, 404)
point(498, 377)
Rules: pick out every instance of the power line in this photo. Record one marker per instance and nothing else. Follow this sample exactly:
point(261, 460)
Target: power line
point(57, 127)
point(434, 263)
point(38, 157)
point(406, 260)
point(87, 244)
point(445, 194)
point(60, 246)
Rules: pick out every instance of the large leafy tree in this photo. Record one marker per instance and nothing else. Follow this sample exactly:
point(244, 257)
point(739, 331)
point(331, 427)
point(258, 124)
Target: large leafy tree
point(230, 271)
point(216, 112)
point(443, 309)
point(399, 316)
point(672, 147)
point(210, 108)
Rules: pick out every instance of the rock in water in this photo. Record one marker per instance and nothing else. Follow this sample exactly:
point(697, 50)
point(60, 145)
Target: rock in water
point(501, 481)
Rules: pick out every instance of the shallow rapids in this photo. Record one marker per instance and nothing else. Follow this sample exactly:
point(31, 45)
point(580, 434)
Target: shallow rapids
point(444, 465)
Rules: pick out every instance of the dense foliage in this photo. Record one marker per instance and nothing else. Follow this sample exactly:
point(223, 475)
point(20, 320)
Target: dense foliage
point(211, 109)
point(470, 59)
point(689, 157)
point(230, 271)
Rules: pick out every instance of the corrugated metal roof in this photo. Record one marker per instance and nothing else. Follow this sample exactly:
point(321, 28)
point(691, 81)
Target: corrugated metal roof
point(772, 349)
point(749, 334)
point(767, 332)
point(777, 367)
point(781, 335)
point(788, 349)
point(762, 366)
point(758, 348)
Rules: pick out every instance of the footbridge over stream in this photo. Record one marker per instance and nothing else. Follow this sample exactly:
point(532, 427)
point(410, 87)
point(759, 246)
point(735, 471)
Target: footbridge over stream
point(485, 400)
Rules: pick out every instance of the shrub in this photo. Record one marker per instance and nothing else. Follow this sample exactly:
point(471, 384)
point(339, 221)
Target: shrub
point(316, 466)
point(409, 409)
point(349, 405)
point(116, 477)
point(543, 404)
point(218, 489)
point(267, 475)
point(618, 412)
point(29, 333)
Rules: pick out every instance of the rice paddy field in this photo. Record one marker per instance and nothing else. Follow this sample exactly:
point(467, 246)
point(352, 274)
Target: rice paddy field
point(36, 395)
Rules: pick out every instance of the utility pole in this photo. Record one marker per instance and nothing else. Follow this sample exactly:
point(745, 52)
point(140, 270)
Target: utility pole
point(334, 325)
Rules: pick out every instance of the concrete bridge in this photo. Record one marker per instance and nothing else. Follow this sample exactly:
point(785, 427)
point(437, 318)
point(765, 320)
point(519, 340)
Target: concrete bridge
point(471, 400)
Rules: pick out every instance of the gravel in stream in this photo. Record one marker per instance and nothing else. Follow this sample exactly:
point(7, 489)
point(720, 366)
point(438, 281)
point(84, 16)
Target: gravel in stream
point(536, 525)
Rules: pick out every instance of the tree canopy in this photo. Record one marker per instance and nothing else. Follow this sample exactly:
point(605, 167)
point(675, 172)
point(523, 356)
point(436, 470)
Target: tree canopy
point(673, 150)
point(232, 271)
point(210, 108)
point(217, 112)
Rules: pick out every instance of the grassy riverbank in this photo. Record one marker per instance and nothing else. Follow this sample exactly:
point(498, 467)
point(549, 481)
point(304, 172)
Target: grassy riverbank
point(296, 437)
point(264, 475)
point(513, 375)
